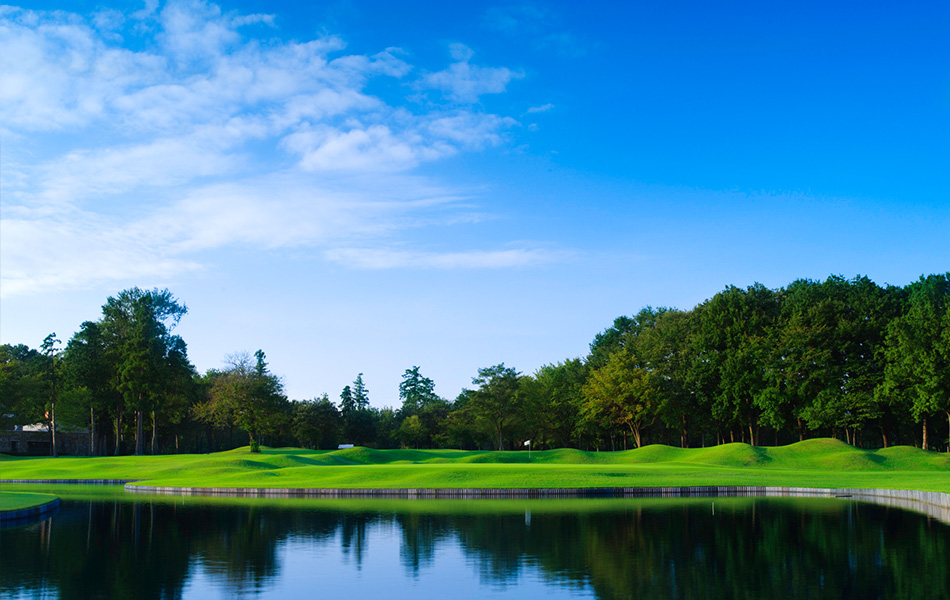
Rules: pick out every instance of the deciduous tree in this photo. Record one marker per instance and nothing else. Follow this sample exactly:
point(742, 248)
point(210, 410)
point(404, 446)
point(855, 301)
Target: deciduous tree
point(918, 351)
point(495, 404)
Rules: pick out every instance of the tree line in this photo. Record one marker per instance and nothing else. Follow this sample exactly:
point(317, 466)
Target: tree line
point(844, 358)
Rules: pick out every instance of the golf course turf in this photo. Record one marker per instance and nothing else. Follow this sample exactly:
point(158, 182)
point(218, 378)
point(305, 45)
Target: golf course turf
point(10, 501)
point(819, 463)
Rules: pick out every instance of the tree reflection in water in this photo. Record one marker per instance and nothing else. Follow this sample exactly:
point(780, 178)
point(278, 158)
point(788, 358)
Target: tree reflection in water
point(747, 548)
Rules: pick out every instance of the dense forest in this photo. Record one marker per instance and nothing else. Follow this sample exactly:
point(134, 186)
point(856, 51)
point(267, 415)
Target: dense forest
point(842, 358)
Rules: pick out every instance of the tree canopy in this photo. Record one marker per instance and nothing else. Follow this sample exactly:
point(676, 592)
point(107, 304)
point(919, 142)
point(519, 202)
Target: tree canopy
point(838, 357)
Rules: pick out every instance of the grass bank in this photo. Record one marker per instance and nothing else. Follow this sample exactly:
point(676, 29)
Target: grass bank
point(20, 500)
point(821, 463)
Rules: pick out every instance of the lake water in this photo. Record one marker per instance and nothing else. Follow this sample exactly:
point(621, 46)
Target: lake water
point(106, 545)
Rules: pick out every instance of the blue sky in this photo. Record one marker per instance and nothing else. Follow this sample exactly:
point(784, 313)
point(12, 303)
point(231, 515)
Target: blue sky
point(367, 186)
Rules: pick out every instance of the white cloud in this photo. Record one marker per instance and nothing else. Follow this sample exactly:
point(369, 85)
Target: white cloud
point(463, 82)
point(460, 52)
point(472, 130)
point(56, 72)
point(133, 142)
point(540, 109)
point(46, 253)
point(374, 148)
point(82, 176)
point(46, 250)
point(366, 258)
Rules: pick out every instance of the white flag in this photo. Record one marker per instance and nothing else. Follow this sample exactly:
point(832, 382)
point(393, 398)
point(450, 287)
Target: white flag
point(527, 442)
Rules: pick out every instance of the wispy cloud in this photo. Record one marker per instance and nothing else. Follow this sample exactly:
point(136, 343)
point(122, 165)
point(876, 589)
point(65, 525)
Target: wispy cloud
point(540, 109)
point(464, 82)
point(366, 258)
point(135, 141)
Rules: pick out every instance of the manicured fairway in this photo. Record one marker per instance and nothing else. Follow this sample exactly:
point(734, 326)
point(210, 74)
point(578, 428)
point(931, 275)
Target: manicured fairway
point(21, 500)
point(813, 463)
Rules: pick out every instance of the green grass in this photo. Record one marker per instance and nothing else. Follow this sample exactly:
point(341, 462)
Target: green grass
point(813, 463)
point(21, 500)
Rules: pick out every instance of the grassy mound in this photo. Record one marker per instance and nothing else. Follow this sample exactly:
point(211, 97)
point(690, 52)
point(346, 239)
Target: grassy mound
point(812, 463)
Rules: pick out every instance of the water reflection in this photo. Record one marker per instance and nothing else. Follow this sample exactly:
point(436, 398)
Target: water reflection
point(735, 548)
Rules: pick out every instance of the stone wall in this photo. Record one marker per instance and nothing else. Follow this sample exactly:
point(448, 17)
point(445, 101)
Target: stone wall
point(37, 443)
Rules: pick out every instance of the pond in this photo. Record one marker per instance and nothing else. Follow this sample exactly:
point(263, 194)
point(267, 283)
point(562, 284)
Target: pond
point(105, 544)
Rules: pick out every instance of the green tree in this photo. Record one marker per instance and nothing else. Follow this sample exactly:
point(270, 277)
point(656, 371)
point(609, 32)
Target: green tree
point(140, 368)
point(623, 394)
point(317, 423)
point(358, 423)
point(665, 353)
point(249, 393)
point(22, 389)
point(411, 432)
point(552, 401)
point(416, 392)
point(137, 326)
point(51, 354)
point(87, 367)
point(460, 429)
point(180, 391)
point(385, 426)
point(360, 393)
point(918, 351)
point(347, 403)
point(496, 405)
point(733, 347)
point(625, 330)
point(807, 378)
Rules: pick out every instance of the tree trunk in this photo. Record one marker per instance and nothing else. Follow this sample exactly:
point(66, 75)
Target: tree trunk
point(884, 436)
point(801, 430)
point(118, 432)
point(751, 434)
point(154, 433)
point(684, 438)
point(923, 444)
point(92, 431)
point(635, 430)
point(139, 434)
point(52, 428)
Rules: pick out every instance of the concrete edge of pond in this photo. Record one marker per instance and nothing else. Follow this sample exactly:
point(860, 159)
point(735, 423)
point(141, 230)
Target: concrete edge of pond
point(933, 504)
point(29, 513)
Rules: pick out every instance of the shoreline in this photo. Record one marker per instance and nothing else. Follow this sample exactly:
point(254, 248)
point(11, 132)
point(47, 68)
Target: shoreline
point(932, 504)
point(29, 513)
